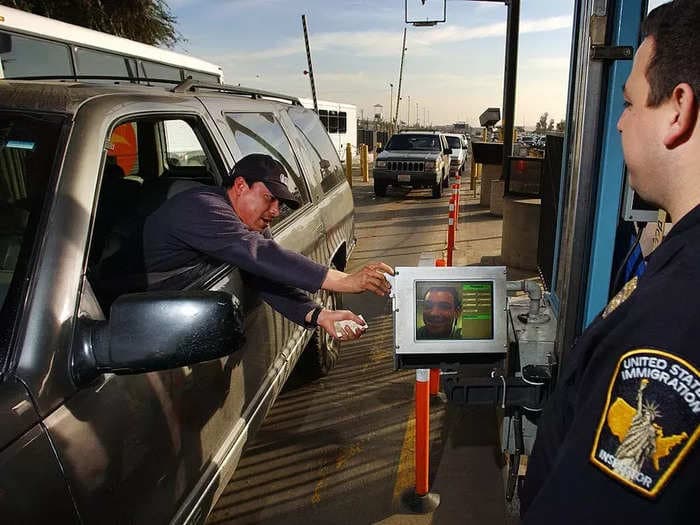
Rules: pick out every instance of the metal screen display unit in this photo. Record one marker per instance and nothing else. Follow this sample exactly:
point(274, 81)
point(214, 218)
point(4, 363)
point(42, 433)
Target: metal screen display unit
point(449, 310)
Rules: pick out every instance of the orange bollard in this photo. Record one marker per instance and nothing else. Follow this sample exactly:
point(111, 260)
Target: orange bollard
point(450, 240)
point(422, 430)
point(455, 192)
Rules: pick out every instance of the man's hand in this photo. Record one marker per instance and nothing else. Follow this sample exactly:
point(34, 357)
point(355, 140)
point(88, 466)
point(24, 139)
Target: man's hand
point(327, 320)
point(370, 278)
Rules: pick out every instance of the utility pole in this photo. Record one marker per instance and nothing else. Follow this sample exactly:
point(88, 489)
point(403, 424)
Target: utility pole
point(308, 60)
point(391, 102)
point(398, 95)
point(408, 116)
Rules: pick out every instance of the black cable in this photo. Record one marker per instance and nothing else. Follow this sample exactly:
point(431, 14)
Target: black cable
point(618, 275)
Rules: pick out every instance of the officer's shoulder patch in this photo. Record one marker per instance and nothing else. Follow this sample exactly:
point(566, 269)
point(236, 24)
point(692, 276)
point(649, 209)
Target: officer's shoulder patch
point(650, 421)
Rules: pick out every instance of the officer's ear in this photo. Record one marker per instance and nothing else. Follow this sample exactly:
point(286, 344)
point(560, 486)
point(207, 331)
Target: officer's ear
point(682, 115)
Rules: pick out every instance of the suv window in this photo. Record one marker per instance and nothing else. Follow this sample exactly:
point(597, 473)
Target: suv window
point(454, 142)
point(414, 142)
point(182, 147)
point(148, 161)
point(28, 144)
point(320, 148)
point(262, 133)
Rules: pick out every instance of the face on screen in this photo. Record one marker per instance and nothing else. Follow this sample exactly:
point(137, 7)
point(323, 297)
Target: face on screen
point(441, 309)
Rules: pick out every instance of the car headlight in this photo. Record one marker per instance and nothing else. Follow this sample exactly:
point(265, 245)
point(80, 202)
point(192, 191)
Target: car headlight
point(429, 165)
point(380, 164)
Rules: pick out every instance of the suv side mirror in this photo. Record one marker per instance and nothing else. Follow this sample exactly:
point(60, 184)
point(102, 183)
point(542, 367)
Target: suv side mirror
point(448, 151)
point(379, 149)
point(147, 332)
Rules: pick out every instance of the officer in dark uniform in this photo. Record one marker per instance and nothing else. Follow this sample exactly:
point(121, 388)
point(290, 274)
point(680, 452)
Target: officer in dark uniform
point(619, 437)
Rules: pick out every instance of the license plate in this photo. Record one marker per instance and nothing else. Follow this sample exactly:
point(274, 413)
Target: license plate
point(404, 178)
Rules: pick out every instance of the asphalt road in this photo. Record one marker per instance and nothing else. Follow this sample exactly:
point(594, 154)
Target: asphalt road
point(340, 450)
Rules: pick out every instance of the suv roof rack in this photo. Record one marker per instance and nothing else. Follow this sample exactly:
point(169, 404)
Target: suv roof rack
point(194, 85)
point(115, 78)
point(181, 86)
point(420, 131)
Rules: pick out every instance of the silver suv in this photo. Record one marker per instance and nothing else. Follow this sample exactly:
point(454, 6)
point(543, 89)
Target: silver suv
point(118, 403)
point(420, 159)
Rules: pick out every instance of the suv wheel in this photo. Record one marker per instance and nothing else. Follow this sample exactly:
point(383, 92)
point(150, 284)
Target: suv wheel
point(379, 188)
point(437, 190)
point(321, 353)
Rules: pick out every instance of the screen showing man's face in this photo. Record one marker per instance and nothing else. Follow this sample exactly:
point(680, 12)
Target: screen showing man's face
point(461, 310)
point(439, 313)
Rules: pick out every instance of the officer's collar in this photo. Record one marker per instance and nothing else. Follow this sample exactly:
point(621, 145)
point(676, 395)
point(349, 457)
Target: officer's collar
point(673, 242)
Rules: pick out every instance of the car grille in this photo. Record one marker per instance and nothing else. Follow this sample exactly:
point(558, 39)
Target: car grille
point(402, 165)
point(454, 162)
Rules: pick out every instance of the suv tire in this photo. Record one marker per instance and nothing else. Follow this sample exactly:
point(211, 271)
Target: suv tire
point(437, 190)
point(322, 351)
point(380, 188)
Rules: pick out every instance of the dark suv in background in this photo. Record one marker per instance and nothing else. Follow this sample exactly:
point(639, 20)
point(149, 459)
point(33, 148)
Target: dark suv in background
point(420, 159)
point(119, 404)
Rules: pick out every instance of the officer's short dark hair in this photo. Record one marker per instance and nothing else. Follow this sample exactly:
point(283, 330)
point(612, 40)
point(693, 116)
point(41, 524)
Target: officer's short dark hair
point(456, 297)
point(676, 57)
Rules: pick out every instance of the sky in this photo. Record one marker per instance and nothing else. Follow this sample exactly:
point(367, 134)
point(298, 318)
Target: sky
point(452, 71)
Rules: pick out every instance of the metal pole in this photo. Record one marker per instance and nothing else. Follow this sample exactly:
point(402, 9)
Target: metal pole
point(408, 116)
point(308, 60)
point(511, 70)
point(391, 101)
point(398, 94)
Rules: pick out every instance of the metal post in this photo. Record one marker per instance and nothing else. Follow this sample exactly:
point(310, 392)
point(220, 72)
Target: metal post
point(308, 60)
point(408, 116)
point(398, 94)
point(364, 163)
point(391, 104)
point(348, 163)
point(509, 77)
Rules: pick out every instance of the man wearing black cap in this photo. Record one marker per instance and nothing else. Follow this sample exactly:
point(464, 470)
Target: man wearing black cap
point(199, 228)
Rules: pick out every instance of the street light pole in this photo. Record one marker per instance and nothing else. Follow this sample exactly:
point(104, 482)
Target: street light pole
point(408, 116)
point(391, 104)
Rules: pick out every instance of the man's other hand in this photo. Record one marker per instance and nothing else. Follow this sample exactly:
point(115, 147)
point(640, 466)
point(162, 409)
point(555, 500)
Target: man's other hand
point(370, 278)
point(327, 320)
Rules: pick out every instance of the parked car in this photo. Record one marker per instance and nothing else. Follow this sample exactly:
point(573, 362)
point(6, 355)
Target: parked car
point(420, 159)
point(458, 157)
point(123, 407)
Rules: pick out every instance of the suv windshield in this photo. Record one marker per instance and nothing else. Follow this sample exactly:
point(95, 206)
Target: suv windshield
point(454, 142)
point(27, 151)
point(414, 142)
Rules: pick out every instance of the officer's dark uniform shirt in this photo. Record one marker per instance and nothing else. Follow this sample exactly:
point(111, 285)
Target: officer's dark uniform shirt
point(617, 442)
point(197, 229)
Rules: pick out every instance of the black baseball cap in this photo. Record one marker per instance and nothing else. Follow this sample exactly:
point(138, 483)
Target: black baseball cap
point(258, 167)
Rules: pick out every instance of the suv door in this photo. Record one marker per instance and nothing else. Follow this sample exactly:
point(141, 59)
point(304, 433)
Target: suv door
point(30, 474)
point(135, 448)
point(257, 129)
